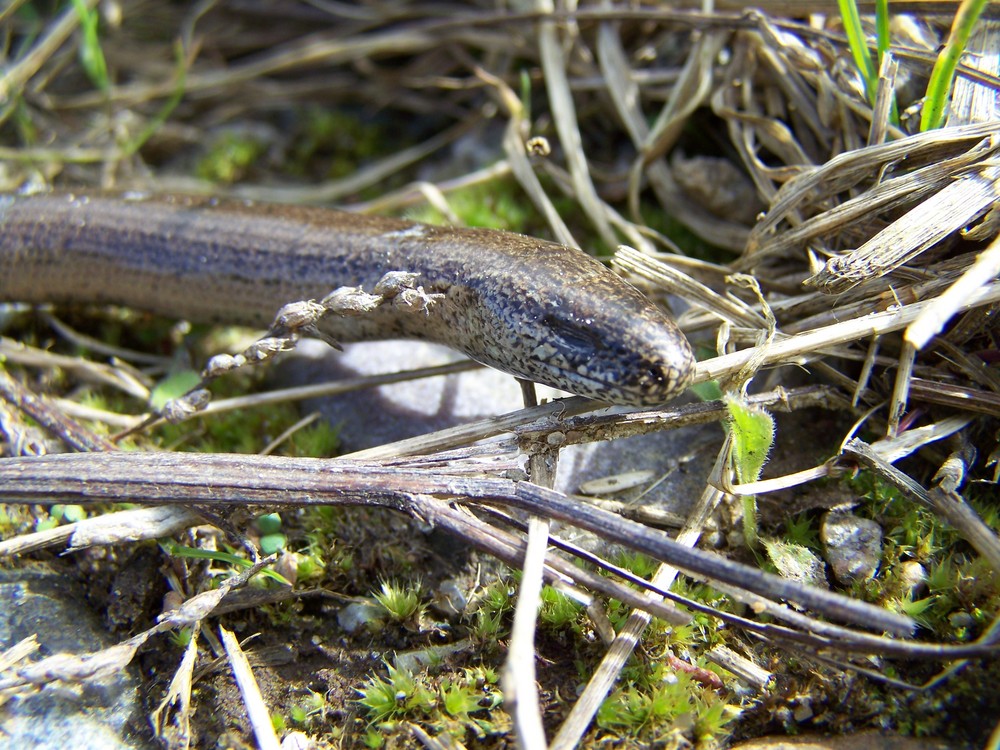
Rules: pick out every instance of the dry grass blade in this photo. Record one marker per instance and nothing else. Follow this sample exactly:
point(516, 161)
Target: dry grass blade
point(257, 711)
point(17, 76)
point(105, 530)
point(566, 121)
point(809, 345)
point(964, 146)
point(519, 686)
point(175, 707)
point(116, 377)
point(945, 306)
point(955, 206)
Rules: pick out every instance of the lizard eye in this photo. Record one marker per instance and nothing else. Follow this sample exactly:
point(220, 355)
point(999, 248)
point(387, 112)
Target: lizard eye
point(578, 338)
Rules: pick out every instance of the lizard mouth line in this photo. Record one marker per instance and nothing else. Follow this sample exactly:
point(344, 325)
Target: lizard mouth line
point(609, 391)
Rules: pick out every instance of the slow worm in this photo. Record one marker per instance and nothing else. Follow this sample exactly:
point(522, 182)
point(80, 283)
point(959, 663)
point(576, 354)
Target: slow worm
point(538, 310)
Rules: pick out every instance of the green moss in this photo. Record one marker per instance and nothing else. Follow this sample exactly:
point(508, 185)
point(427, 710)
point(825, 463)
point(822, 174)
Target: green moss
point(673, 709)
point(498, 205)
point(14, 520)
point(236, 431)
point(334, 143)
point(559, 612)
point(229, 157)
point(454, 704)
point(694, 246)
point(959, 586)
point(399, 695)
point(636, 563)
point(401, 602)
point(278, 723)
point(305, 713)
point(319, 440)
point(459, 699)
point(491, 612)
point(802, 529)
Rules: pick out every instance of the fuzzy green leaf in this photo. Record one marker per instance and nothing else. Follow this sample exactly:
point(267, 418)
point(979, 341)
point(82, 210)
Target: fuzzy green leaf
point(752, 431)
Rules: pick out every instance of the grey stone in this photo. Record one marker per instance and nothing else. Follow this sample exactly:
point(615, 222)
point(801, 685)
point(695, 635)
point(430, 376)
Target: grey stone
point(376, 416)
point(853, 546)
point(678, 460)
point(102, 713)
point(359, 614)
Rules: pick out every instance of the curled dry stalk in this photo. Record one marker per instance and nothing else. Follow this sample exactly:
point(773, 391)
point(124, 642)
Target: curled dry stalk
point(874, 251)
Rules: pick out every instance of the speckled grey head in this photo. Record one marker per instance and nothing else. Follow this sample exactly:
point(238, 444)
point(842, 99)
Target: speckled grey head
point(556, 316)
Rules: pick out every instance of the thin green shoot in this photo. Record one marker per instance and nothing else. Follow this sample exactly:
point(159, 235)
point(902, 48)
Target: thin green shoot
point(883, 42)
point(943, 74)
point(882, 28)
point(91, 55)
point(169, 106)
point(859, 47)
point(227, 558)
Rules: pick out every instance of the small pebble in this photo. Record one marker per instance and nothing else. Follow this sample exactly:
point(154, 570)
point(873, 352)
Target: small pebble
point(450, 599)
point(357, 615)
point(961, 620)
point(297, 741)
point(802, 712)
point(853, 546)
point(713, 539)
point(913, 578)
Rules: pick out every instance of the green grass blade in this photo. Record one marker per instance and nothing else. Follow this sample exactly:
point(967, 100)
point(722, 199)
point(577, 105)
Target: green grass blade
point(859, 48)
point(225, 558)
point(883, 42)
point(882, 27)
point(91, 55)
point(175, 98)
point(939, 86)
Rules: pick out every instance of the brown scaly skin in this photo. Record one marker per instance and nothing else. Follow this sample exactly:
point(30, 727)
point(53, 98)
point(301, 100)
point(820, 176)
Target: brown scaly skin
point(535, 309)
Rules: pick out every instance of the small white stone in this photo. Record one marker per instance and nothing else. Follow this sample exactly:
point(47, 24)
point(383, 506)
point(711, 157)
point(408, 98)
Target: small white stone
point(802, 712)
point(616, 483)
point(912, 578)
